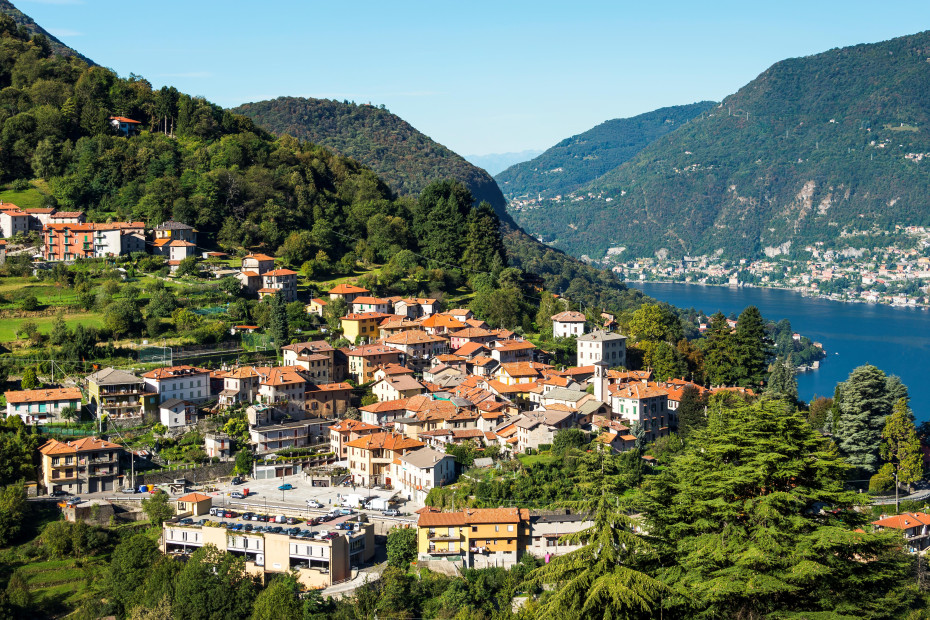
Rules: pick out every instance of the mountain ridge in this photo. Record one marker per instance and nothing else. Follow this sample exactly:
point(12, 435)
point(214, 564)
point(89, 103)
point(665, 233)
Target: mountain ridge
point(21, 19)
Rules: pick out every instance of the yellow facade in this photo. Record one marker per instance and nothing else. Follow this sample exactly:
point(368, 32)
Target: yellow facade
point(366, 327)
point(471, 533)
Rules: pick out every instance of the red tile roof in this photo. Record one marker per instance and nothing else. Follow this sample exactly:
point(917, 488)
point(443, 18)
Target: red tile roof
point(43, 396)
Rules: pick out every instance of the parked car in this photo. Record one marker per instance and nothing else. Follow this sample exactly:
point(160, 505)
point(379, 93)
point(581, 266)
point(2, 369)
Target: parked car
point(237, 480)
point(332, 535)
point(312, 503)
point(57, 494)
point(391, 513)
point(277, 530)
point(130, 490)
point(346, 511)
point(247, 516)
point(236, 495)
point(201, 522)
point(248, 527)
point(292, 520)
point(186, 521)
point(215, 512)
point(74, 501)
point(230, 514)
point(314, 521)
point(287, 486)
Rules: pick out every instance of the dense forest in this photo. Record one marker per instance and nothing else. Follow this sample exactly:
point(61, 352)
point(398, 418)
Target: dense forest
point(404, 158)
point(576, 161)
point(809, 148)
point(32, 28)
point(196, 163)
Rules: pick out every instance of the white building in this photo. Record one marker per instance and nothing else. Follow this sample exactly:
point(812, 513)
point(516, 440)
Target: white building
point(37, 406)
point(174, 413)
point(13, 222)
point(181, 382)
point(416, 472)
point(568, 323)
point(601, 346)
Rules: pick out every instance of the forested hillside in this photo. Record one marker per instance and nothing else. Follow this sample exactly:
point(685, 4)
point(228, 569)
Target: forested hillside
point(578, 160)
point(241, 187)
point(406, 159)
point(32, 28)
point(812, 147)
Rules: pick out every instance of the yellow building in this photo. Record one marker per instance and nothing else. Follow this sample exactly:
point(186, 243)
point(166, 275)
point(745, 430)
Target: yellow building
point(364, 324)
point(194, 505)
point(476, 537)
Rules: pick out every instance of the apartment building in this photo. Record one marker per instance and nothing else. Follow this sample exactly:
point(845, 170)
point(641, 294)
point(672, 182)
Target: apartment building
point(71, 241)
point(645, 404)
point(179, 382)
point(316, 357)
point(300, 434)
point(365, 360)
point(475, 537)
point(371, 456)
point(568, 323)
point(419, 347)
point(40, 406)
point(119, 394)
point(283, 281)
point(414, 474)
point(85, 465)
point(601, 346)
point(344, 431)
point(327, 400)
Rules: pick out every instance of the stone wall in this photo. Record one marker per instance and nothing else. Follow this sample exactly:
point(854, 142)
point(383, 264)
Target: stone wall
point(195, 475)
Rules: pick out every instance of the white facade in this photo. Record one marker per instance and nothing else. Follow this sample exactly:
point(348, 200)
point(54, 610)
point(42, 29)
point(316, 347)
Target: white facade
point(193, 386)
point(601, 346)
point(14, 223)
point(421, 470)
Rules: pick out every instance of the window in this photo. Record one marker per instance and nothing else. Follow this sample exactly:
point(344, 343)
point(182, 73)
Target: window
point(510, 528)
point(497, 528)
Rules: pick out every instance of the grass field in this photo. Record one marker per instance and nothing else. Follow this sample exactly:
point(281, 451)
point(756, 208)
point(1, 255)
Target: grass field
point(56, 584)
point(8, 327)
point(31, 198)
point(536, 459)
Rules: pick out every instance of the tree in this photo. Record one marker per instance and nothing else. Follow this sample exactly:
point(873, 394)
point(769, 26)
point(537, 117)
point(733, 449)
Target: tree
point(158, 508)
point(401, 546)
point(188, 267)
point(161, 304)
point(753, 348)
point(655, 323)
point(664, 359)
point(782, 382)
point(213, 584)
point(720, 352)
point(30, 380)
point(237, 427)
point(692, 411)
point(159, 611)
point(12, 512)
point(122, 317)
point(900, 446)
point(56, 538)
point(334, 311)
point(819, 412)
point(70, 413)
point(60, 333)
point(600, 580)
point(863, 407)
point(278, 600)
point(352, 413)
point(244, 460)
point(740, 532)
point(130, 564)
point(568, 438)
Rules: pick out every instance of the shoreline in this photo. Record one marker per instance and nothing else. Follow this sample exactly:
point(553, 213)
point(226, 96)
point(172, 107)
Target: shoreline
point(802, 293)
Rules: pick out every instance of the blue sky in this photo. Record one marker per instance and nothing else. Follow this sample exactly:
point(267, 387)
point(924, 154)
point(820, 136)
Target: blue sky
point(480, 77)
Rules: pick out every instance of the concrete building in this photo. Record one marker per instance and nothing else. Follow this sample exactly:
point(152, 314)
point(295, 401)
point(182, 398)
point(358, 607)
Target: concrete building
point(283, 281)
point(13, 221)
point(179, 382)
point(419, 347)
point(175, 231)
point(644, 404)
point(568, 323)
point(365, 360)
point(218, 445)
point(300, 434)
point(316, 357)
point(371, 456)
point(327, 400)
point(415, 473)
point(347, 292)
point(475, 537)
point(175, 413)
point(547, 527)
point(396, 387)
point(40, 406)
point(601, 346)
point(193, 505)
point(119, 394)
point(87, 465)
point(344, 431)
point(259, 263)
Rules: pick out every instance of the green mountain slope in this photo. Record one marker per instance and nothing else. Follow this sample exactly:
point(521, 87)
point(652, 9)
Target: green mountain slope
point(578, 160)
point(406, 159)
point(812, 147)
point(33, 28)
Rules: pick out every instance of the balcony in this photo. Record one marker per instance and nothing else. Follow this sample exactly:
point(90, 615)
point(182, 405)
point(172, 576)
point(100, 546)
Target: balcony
point(444, 538)
point(434, 551)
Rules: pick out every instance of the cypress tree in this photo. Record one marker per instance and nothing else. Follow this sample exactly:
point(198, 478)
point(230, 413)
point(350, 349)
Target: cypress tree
point(692, 413)
point(278, 328)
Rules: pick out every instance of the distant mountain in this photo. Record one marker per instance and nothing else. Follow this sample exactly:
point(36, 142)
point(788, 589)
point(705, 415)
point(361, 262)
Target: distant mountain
point(816, 149)
point(402, 156)
point(33, 28)
point(578, 160)
point(498, 162)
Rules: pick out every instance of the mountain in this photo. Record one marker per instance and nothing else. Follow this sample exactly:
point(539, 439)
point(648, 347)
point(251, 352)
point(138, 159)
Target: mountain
point(494, 163)
point(406, 159)
point(21, 19)
point(819, 149)
point(578, 160)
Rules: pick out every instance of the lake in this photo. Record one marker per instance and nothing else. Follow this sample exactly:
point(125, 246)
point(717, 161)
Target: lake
point(897, 340)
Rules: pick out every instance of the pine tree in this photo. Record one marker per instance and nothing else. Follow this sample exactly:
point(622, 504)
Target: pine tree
point(719, 357)
point(740, 533)
point(600, 580)
point(863, 408)
point(753, 348)
point(782, 381)
point(692, 412)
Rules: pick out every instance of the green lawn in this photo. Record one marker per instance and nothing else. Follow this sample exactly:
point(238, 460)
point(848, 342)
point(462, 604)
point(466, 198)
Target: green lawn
point(31, 198)
point(8, 327)
point(543, 458)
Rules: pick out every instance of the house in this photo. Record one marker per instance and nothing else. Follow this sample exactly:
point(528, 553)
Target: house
point(646, 405)
point(362, 325)
point(316, 306)
point(85, 465)
point(66, 217)
point(508, 351)
point(347, 430)
point(173, 249)
point(395, 387)
point(914, 527)
point(365, 360)
point(549, 527)
point(394, 324)
point(384, 413)
point(40, 406)
point(461, 337)
point(418, 346)
point(347, 292)
point(193, 505)
point(179, 382)
point(601, 346)
point(300, 434)
point(462, 314)
point(67, 242)
point(119, 394)
point(217, 445)
point(175, 231)
point(250, 281)
point(417, 472)
point(536, 429)
point(515, 373)
point(240, 385)
point(316, 563)
point(568, 323)
point(13, 220)
point(316, 357)
point(327, 400)
point(474, 537)
point(371, 456)
point(283, 281)
point(441, 324)
point(284, 387)
point(125, 126)
point(174, 413)
point(414, 308)
point(365, 303)
point(258, 263)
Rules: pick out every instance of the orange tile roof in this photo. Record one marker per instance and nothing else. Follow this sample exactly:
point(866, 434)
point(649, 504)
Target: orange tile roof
point(173, 372)
point(258, 257)
point(904, 520)
point(520, 369)
point(194, 498)
point(347, 289)
point(473, 516)
point(372, 349)
point(365, 299)
point(87, 444)
point(280, 272)
point(469, 348)
point(412, 336)
point(330, 387)
point(514, 345)
point(569, 317)
point(42, 396)
point(364, 316)
point(636, 391)
point(471, 332)
point(578, 370)
point(348, 425)
point(441, 320)
point(123, 119)
point(385, 441)
point(399, 404)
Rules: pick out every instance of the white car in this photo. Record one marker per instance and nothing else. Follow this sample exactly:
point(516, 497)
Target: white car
point(312, 503)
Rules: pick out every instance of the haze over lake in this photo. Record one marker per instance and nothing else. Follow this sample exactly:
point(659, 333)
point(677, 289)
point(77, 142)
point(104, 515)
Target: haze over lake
point(897, 340)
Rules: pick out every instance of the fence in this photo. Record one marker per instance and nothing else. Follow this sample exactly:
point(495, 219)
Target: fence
point(255, 342)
